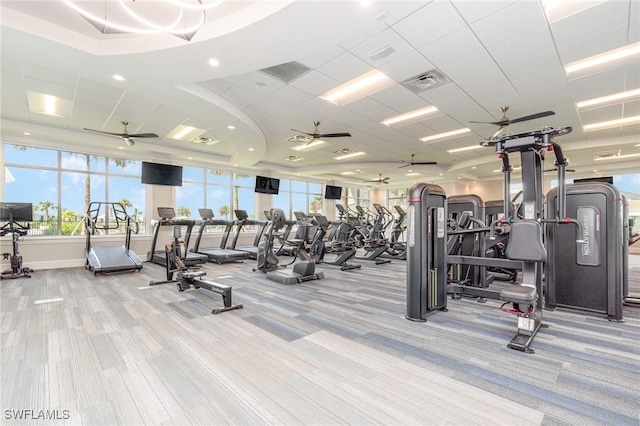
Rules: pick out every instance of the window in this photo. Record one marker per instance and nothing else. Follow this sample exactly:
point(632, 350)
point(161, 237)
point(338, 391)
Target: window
point(61, 184)
point(299, 196)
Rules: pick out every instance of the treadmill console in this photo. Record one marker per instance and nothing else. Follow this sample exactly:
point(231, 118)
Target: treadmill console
point(205, 213)
point(166, 212)
point(267, 214)
point(241, 214)
point(300, 216)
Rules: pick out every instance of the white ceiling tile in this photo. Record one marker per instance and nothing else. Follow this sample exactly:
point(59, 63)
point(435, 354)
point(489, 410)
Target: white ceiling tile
point(363, 104)
point(295, 114)
point(473, 11)
point(468, 66)
point(531, 65)
point(601, 84)
point(501, 91)
point(435, 20)
point(15, 114)
point(259, 83)
point(290, 95)
point(51, 75)
point(217, 86)
point(322, 56)
point(316, 106)
point(509, 22)
point(408, 104)
point(379, 41)
point(353, 42)
point(483, 80)
point(240, 97)
point(594, 20)
point(233, 79)
point(522, 46)
point(315, 83)
point(441, 123)
point(380, 113)
point(493, 105)
point(265, 107)
point(393, 93)
point(612, 112)
point(409, 65)
point(443, 94)
point(554, 77)
point(631, 109)
point(612, 38)
point(414, 130)
point(634, 28)
point(47, 88)
point(451, 47)
point(344, 67)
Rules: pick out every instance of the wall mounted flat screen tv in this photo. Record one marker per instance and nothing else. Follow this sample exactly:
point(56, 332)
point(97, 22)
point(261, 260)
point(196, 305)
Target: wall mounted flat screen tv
point(605, 179)
point(267, 185)
point(332, 192)
point(161, 174)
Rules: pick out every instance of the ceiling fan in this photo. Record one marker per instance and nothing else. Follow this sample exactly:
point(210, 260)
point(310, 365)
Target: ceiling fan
point(379, 180)
point(505, 121)
point(417, 163)
point(317, 135)
point(125, 136)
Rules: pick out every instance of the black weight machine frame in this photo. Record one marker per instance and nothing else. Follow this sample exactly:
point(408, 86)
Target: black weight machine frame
point(187, 278)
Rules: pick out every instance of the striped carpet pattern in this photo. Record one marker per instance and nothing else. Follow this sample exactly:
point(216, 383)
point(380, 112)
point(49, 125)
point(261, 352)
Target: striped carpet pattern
point(107, 350)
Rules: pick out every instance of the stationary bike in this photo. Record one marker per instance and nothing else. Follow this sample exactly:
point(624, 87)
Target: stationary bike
point(15, 258)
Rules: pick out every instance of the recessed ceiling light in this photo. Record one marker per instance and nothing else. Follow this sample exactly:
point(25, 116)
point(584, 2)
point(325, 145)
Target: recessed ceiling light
point(261, 85)
point(213, 62)
point(466, 148)
point(348, 173)
point(452, 134)
point(231, 127)
point(441, 174)
point(595, 171)
point(48, 104)
point(365, 3)
point(235, 165)
point(603, 58)
point(189, 158)
point(560, 9)
point(416, 113)
point(185, 133)
point(26, 133)
point(609, 99)
point(251, 149)
point(118, 77)
point(413, 174)
point(612, 124)
point(120, 147)
point(364, 85)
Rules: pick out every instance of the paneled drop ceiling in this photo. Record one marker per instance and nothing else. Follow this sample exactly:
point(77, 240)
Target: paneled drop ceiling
point(491, 54)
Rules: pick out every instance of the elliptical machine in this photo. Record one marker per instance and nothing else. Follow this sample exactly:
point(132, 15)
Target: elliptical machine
point(268, 263)
point(11, 213)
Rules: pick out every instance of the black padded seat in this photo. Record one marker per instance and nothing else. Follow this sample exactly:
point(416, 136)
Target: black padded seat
point(519, 294)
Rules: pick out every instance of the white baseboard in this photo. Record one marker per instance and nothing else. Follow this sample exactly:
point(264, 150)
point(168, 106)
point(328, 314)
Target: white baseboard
point(54, 264)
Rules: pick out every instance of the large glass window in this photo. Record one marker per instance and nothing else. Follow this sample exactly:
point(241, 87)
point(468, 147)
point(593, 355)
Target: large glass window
point(61, 184)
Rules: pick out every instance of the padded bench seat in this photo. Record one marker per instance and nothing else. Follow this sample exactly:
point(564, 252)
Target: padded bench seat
point(520, 294)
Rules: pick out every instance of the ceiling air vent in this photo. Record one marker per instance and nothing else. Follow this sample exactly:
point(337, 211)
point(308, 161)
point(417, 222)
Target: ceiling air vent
point(292, 158)
point(204, 141)
point(286, 72)
point(425, 81)
point(602, 155)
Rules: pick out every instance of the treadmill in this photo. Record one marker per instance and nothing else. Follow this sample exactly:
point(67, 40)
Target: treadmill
point(105, 259)
point(243, 219)
point(220, 254)
point(167, 215)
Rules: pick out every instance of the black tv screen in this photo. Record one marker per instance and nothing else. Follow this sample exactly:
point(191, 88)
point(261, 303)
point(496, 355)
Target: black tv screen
point(161, 174)
point(605, 179)
point(267, 185)
point(18, 212)
point(332, 192)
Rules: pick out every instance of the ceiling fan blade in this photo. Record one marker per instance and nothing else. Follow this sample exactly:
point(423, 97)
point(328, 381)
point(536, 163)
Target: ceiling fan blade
point(103, 132)
point(373, 181)
point(532, 116)
point(385, 182)
point(144, 135)
point(495, 123)
point(424, 163)
point(406, 165)
point(335, 135)
point(304, 133)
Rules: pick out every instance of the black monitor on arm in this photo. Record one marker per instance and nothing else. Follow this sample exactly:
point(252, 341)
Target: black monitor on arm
point(166, 212)
point(241, 214)
point(206, 214)
point(16, 212)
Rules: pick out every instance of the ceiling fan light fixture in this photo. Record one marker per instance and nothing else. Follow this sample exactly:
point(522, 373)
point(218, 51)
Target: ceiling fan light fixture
point(351, 155)
point(416, 113)
point(129, 141)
